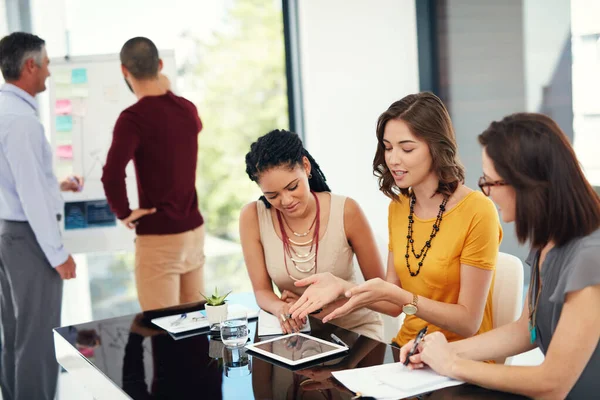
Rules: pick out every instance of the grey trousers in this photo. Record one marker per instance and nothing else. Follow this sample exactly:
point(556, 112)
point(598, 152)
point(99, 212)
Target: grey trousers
point(30, 304)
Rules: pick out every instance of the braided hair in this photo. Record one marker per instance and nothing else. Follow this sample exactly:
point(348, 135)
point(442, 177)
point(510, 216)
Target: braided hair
point(282, 148)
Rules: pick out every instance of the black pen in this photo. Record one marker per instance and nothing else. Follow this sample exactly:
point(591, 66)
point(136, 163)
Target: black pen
point(418, 339)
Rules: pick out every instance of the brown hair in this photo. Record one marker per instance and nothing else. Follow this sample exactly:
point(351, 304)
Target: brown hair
point(429, 120)
point(555, 202)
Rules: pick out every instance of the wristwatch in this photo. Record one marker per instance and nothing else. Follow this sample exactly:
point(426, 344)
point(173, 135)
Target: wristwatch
point(411, 308)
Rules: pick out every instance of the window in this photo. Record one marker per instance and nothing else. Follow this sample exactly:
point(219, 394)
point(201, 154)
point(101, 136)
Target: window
point(231, 64)
point(585, 22)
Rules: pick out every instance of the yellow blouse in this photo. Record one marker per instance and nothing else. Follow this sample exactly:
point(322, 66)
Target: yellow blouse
point(470, 233)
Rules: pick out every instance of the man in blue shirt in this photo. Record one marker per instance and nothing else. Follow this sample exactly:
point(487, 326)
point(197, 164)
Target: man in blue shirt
point(33, 261)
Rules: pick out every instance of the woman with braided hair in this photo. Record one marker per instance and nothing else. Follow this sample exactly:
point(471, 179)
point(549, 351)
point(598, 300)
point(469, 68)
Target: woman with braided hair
point(299, 228)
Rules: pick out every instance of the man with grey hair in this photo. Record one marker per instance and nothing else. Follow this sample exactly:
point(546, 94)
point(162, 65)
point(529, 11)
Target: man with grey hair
point(33, 261)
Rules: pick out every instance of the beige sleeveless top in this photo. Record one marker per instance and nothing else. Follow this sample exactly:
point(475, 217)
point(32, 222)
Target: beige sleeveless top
point(335, 256)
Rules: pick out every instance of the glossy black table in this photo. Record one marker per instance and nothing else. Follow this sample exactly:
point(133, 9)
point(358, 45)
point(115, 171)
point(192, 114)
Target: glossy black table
point(130, 358)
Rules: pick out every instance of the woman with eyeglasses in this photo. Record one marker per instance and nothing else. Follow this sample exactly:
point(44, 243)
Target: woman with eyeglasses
point(532, 174)
point(443, 236)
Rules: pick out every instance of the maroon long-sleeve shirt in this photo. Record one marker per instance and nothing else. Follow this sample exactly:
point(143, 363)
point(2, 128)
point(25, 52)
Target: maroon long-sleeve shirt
point(160, 134)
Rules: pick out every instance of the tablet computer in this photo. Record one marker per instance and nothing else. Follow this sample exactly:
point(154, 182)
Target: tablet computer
point(296, 348)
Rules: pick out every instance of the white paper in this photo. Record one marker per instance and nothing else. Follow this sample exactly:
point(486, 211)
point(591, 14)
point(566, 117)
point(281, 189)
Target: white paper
point(176, 323)
point(268, 325)
point(392, 381)
point(195, 320)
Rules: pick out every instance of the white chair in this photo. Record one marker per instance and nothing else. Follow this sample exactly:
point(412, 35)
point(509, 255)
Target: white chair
point(507, 298)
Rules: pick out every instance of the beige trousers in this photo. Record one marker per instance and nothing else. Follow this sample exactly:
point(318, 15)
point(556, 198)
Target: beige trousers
point(169, 269)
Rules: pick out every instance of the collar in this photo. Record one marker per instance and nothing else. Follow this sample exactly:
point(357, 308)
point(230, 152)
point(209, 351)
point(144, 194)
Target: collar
point(10, 88)
point(530, 260)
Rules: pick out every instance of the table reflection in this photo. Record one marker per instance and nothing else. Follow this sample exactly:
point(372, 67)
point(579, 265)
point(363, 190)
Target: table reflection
point(181, 369)
point(236, 363)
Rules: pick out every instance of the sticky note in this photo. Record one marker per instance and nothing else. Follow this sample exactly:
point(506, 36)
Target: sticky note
point(79, 75)
point(64, 138)
point(80, 91)
point(65, 152)
point(64, 167)
point(63, 107)
point(62, 76)
point(63, 91)
point(64, 123)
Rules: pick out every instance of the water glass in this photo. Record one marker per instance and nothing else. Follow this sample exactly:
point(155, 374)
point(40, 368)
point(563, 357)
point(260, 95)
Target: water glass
point(234, 328)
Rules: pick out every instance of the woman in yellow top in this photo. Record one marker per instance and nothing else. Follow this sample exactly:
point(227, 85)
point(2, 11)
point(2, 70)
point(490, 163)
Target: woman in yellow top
point(443, 236)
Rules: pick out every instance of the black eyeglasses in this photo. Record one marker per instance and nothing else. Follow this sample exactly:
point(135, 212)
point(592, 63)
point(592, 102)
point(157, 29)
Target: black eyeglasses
point(485, 185)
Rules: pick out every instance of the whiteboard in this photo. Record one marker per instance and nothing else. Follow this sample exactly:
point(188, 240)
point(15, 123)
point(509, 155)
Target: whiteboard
point(86, 94)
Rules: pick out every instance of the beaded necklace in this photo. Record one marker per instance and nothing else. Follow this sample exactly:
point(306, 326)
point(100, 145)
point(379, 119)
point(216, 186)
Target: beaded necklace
point(409, 237)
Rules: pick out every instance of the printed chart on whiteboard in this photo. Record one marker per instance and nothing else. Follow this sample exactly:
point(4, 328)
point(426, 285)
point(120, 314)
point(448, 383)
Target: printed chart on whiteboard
point(86, 96)
point(86, 104)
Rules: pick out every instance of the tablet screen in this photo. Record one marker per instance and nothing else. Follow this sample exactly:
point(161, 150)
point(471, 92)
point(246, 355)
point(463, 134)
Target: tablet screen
point(296, 348)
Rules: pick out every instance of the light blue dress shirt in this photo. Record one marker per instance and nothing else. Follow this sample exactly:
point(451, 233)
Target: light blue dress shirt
point(29, 190)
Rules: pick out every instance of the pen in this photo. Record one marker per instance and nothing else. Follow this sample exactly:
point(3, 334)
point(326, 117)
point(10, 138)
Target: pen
point(179, 320)
point(420, 336)
point(338, 340)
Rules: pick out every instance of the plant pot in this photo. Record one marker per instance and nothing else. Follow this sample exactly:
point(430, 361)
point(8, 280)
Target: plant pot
point(215, 314)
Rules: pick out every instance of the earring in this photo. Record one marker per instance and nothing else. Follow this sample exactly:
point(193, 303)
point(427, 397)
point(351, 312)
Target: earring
point(309, 176)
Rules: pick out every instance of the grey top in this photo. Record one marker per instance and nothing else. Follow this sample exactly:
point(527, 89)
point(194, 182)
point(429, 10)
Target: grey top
point(572, 267)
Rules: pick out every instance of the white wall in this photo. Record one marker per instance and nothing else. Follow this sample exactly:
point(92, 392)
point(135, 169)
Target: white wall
point(49, 21)
point(546, 27)
point(586, 85)
point(549, 62)
point(357, 57)
point(3, 26)
point(483, 77)
point(3, 20)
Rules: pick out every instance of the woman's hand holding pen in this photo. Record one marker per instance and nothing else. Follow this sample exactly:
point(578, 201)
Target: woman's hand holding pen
point(414, 361)
point(438, 354)
point(434, 350)
point(407, 352)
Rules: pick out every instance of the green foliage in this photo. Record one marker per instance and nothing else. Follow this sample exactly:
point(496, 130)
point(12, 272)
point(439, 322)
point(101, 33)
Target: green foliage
point(215, 299)
point(240, 73)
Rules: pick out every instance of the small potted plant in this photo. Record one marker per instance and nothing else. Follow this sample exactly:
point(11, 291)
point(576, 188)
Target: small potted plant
point(216, 308)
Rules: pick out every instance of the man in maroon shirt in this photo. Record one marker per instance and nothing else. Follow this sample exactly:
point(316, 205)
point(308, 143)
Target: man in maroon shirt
point(160, 133)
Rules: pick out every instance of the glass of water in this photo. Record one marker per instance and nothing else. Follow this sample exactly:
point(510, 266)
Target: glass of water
point(234, 328)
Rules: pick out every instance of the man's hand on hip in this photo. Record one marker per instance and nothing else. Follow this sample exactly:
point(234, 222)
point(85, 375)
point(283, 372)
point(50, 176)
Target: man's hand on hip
point(66, 270)
point(131, 221)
